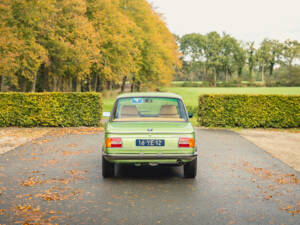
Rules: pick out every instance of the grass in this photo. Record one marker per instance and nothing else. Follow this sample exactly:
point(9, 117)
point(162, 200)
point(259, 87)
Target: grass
point(190, 94)
point(108, 104)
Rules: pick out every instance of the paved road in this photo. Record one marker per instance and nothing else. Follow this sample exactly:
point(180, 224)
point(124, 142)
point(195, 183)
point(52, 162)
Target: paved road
point(58, 180)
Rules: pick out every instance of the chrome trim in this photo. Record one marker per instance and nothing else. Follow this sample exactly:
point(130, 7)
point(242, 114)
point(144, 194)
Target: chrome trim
point(142, 132)
point(149, 156)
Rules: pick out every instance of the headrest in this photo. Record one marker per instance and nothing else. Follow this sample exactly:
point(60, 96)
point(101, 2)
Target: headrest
point(129, 111)
point(168, 111)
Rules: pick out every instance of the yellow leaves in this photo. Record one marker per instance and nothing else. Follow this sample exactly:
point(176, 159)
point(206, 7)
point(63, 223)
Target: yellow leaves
point(55, 194)
point(291, 209)
point(68, 38)
point(287, 179)
point(24, 208)
point(31, 182)
point(2, 211)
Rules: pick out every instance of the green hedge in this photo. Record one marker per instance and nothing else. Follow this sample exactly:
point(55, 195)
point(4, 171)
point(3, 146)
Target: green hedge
point(249, 111)
point(50, 109)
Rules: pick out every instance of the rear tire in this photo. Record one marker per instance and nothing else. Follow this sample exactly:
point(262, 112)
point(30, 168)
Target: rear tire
point(190, 169)
point(108, 169)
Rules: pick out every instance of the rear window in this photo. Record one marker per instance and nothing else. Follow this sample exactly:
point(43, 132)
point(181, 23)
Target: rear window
point(149, 109)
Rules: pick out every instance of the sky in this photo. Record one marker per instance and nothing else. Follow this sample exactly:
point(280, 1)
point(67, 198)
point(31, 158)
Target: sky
point(246, 20)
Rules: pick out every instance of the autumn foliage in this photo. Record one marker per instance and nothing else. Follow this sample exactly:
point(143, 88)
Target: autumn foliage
point(83, 45)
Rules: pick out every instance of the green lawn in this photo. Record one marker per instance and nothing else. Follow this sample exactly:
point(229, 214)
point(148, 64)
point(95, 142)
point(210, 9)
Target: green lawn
point(190, 94)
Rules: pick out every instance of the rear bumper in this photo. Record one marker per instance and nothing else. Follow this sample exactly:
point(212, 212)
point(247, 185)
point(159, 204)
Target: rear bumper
point(150, 156)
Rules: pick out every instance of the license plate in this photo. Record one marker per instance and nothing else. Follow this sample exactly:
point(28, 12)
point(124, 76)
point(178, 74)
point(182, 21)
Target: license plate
point(150, 142)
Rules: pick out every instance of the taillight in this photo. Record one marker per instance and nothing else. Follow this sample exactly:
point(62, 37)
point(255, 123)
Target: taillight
point(186, 143)
point(113, 143)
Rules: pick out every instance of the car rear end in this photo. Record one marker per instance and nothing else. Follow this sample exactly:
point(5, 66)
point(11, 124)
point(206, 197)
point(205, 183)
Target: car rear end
point(158, 136)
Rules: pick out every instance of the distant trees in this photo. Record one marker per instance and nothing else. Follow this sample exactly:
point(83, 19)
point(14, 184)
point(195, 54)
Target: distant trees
point(83, 45)
point(214, 57)
point(92, 45)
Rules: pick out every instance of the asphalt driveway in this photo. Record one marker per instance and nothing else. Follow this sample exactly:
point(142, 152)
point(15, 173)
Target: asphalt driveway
point(58, 179)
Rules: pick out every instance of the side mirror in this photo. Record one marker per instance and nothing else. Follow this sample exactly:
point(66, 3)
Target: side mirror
point(106, 114)
point(191, 115)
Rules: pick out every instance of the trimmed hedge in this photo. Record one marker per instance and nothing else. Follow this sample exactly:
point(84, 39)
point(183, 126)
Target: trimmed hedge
point(249, 111)
point(50, 109)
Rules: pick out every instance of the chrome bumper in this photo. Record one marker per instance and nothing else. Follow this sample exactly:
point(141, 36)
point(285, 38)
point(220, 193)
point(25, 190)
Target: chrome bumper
point(149, 156)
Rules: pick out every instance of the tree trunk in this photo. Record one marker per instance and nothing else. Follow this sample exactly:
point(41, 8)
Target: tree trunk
point(123, 83)
point(263, 73)
point(108, 85)
point(215, 79)
point(78, 85)
point(89, 84)
point(34, 83)
point(68, 84)
point(240, 71)
point(99, 84)
point(271, 69)
point(226, 76)
point(54, 82)
point(60, 84)
point(132, 84)
point(1, 82)
point(250, 72)
point(45, 80)
point(138, 86)
point(96, 80)
point(22, 83)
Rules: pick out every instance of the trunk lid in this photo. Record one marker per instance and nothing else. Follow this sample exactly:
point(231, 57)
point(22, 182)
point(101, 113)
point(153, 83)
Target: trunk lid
point(149, 127)
point(130, 132)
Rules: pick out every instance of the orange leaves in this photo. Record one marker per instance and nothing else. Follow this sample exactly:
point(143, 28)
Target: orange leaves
point(51, 162)
point(50, 196)
point(273, 189)
point(291, 210)
point(31, 181)
point(268, 197)
point(287, 179)
point(268, 174)
point(2, 211)
point(58, 181)
point(79, 130)
point(24, 208)
point(34, 215)
point(68, 153)
point(55, 194)
point(77, 174)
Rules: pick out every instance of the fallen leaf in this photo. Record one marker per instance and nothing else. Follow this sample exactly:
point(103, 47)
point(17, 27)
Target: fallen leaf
point(267, 197)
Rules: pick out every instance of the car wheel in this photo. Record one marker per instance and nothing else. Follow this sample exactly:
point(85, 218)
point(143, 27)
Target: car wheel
point(190, 169)
point(108, 169)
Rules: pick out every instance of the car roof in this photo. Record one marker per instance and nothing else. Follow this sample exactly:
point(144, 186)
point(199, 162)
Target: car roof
point(149, 94)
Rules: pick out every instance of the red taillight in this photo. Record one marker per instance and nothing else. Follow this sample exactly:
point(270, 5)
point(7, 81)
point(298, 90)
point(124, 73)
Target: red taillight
point(186, 143)
point(113, 143)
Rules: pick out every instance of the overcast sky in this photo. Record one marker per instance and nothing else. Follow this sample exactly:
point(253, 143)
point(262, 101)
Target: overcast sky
point(247, 20)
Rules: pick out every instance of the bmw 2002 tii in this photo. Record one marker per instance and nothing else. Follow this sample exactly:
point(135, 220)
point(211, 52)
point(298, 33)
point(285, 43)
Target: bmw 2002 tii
point(149, 129)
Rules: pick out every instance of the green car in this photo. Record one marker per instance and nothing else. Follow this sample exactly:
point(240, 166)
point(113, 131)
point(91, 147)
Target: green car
point(149, 129)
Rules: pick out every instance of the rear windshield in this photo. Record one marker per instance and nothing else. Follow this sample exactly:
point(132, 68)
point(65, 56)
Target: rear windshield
point(149, 109)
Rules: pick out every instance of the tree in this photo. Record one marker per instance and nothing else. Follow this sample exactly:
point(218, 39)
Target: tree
point(192, 46)
point(250, 58)
point(291, 50)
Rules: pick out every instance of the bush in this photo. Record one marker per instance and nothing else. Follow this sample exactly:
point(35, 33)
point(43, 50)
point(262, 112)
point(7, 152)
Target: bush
point(192, 109)
point(50, 109)
point(249, 111)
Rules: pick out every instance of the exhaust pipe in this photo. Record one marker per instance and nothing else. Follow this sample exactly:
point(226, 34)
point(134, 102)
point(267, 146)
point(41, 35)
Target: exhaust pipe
point(179, 162)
